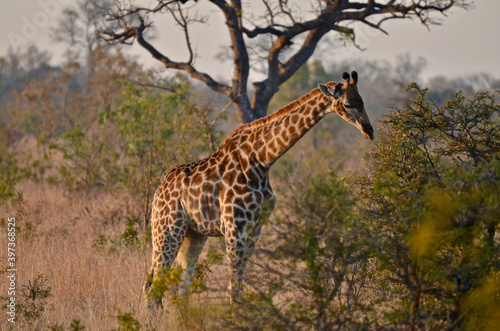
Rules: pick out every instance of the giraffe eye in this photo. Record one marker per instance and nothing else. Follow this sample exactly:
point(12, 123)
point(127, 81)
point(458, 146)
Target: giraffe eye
point(348, 105)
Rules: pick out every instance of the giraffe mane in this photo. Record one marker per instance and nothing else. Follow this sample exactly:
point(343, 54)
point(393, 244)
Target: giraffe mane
point(294, 105)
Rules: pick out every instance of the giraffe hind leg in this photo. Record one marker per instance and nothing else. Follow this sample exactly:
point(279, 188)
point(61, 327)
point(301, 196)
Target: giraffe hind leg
point(165, 249)
point(154, 302)
point(188, 257)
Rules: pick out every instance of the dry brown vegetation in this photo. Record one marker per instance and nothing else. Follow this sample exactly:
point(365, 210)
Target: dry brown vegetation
point(58, 239)
point(76, 265)
point(352, 243)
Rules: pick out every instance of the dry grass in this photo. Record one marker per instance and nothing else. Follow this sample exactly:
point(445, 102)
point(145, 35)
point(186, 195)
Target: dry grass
point(57, 231)
point(55, 237)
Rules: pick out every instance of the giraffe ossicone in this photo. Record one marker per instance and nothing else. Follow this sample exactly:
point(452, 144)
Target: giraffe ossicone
point(228, 193)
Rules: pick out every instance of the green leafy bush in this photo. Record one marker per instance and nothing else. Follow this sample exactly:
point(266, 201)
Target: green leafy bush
point(310, 265)
point(11, 173)
point(34, 298)
point(130, 238)
point(432, 203)
point(413, 244)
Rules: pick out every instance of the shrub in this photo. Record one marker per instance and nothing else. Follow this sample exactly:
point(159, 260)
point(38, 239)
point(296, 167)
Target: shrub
point(313, 265)
point(411, 245)
point(432, 203)
point(11, 173)
point(34, 298)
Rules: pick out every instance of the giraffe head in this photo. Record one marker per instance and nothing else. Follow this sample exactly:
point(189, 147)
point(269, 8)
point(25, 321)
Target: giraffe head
point(347, 103)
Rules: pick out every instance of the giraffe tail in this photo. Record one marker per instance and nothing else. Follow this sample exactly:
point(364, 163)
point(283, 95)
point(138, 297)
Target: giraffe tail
point(148, 283)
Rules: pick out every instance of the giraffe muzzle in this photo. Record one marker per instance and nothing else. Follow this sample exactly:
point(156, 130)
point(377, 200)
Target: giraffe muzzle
point(367, 131)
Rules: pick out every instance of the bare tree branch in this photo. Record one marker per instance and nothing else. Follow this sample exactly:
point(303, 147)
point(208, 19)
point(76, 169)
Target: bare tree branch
point(281, 26)
point(136, 32)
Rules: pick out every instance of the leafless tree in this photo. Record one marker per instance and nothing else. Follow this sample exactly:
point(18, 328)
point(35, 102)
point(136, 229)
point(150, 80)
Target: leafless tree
point(281, 34)
point(76, 28)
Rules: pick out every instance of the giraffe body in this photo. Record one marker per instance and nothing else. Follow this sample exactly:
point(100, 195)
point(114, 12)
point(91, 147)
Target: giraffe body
point(228, 193)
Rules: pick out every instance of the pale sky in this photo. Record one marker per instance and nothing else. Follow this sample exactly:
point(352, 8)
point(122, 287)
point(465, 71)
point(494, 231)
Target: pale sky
point(467, 42)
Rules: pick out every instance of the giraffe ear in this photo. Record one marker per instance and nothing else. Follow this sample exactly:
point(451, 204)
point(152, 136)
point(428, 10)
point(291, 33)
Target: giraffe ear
point(329, 92)
point(354, 76)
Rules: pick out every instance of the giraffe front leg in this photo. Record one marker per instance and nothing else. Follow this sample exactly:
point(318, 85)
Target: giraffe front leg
point(252, 240)
point(242, 235)
point(254, 233)
point(235, 247)
point(237, 266)
point(240, 242)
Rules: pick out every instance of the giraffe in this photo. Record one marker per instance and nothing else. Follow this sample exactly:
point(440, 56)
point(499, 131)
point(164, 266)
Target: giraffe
point(228, 193)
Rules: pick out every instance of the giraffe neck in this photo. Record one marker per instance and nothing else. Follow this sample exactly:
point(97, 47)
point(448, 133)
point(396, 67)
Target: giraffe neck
point(264, 141)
